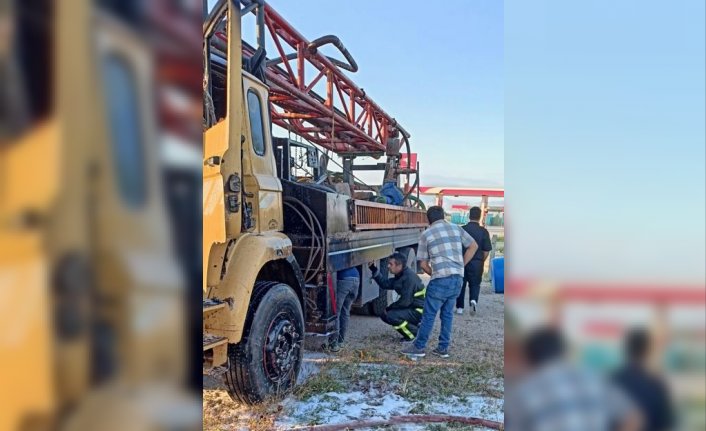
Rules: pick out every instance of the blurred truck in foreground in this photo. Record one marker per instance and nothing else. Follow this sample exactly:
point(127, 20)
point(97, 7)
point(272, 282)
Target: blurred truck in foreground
point(91, 290)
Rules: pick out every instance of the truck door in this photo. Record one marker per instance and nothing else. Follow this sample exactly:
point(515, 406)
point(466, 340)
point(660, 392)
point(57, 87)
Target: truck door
point(263, 198)
point(137, 275)
point(222, 165)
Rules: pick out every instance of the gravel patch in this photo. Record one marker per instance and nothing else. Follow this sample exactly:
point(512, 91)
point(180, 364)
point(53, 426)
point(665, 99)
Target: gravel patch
point(475, 339)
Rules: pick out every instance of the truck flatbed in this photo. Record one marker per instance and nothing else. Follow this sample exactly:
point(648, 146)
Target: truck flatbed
point(331, 232)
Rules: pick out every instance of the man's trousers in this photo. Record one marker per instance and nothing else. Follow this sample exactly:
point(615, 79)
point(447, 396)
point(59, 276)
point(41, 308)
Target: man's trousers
point(404, 320)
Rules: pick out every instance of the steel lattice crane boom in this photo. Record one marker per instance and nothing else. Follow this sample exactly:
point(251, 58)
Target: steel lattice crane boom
point(344, 119)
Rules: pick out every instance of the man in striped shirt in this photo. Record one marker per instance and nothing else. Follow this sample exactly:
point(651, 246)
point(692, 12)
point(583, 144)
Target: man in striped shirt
point(441, 256)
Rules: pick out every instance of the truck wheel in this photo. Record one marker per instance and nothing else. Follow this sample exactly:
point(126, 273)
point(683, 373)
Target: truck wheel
point(363, 310)
point(378, 305)
point(266, 363)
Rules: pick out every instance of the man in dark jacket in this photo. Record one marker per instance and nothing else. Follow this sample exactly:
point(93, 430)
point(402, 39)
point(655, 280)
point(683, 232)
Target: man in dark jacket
point(647, 390)
point(473, 272)
point(404, 314)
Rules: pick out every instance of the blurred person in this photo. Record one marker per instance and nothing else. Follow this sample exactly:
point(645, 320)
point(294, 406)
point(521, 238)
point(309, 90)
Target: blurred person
point(441, 256)
point(473, 271)
point(515, 366)
point(646, 389)
point(404, 314)
point(348, 281)
point(557, 395)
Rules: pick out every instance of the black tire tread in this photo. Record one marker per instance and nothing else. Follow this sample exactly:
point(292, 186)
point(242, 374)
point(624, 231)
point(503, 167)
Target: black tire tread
point(238, 378)
point(237, 374)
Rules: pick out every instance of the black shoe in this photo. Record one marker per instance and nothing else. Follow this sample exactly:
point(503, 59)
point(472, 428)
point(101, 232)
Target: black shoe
point(440, 353)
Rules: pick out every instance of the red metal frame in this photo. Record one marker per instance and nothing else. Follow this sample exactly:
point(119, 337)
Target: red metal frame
point(465, 192)
point(613, 292)
point(405, 164)
point(357, 125)
point(462, 207)
point(175, 35)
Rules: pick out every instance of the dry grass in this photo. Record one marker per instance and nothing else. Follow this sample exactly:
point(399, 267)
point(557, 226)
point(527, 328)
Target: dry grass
point(220, 413)
point(419, 381)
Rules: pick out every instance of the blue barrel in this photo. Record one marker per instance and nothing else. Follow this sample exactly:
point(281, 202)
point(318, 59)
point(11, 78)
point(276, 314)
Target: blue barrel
point(497, 274)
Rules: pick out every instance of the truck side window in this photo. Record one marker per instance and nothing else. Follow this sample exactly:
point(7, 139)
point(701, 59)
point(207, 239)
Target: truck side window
point(125, 128)
point(256, 126)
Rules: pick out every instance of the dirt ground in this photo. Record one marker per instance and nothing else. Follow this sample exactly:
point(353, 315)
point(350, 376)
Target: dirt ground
point(370, 379)
point(476, 338)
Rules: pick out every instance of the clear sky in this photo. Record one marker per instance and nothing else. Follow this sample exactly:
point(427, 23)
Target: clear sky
point(436, 68)
point(605, 140)
point(599, 105)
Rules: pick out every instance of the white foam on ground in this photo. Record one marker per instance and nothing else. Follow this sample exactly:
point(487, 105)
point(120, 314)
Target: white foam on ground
point(309, 367)
point(333, 408)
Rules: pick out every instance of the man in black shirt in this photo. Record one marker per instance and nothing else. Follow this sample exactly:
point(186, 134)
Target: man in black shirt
point(643, 387)
point(473, 272)
point(404, 314)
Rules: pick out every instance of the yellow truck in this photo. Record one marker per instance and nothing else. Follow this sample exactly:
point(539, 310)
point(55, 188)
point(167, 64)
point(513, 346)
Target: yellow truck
point(91, 297)
point(277, 223)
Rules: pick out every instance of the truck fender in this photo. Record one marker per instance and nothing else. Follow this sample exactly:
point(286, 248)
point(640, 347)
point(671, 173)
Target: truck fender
point(243, 263)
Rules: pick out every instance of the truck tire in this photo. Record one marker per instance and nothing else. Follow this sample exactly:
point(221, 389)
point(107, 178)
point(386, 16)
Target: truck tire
point(363, 310)
point(266, 363)
point(378, 305)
